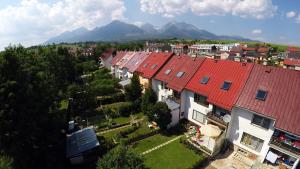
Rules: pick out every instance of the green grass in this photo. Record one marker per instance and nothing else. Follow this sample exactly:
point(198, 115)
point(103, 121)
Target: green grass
point(151, 142)
point(111, 134)
point(101, 122)
point(172, 156)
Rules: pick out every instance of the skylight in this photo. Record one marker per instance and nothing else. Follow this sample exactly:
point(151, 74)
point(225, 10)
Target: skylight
point(153, 66)
point(167, 71)
point(179, 74)
point(261, 95)
point(204, 80)
point(226, 85)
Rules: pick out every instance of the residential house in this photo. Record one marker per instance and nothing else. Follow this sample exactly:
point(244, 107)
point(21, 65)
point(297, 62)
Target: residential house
point(118, 67)
point(293, 64)
point(151, 65)
point(266, 117)
point(115, 61)
point(211, 94)
point(106, 57)
point(171, 80)
point(132, 65)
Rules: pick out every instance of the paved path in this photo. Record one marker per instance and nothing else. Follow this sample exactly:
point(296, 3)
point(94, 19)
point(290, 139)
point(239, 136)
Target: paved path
point(161, 145)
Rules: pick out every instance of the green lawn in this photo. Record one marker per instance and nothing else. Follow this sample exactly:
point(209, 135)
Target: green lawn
point(102, 122)
point(172, 156)
point(151, 142)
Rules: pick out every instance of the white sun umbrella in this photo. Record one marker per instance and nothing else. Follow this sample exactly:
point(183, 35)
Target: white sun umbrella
point(210, 130)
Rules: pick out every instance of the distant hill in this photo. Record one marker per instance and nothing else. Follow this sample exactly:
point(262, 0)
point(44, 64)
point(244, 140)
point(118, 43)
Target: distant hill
point(120, 31)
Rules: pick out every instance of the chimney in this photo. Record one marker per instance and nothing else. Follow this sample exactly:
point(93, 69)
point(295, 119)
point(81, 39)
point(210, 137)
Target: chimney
point(244, 64)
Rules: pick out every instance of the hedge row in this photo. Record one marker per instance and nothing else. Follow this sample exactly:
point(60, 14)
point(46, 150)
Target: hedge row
point(103, 100)
point(123, 109)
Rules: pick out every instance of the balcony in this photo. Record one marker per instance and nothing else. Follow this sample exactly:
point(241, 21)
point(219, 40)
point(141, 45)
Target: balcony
point(286, 144)
point(216, 119)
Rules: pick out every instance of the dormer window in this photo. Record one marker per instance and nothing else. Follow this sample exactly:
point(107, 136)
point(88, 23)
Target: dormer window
point(168, 71)
point(226, 85)
point(204, 80)
point(153, 66)
point(180, 74)
point(261, 95)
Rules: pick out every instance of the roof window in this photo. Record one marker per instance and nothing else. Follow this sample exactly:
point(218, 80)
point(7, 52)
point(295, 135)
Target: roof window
point(261, 95)
point(204, 80)
point(168, 71)
point(226, 85)
point(180, 74)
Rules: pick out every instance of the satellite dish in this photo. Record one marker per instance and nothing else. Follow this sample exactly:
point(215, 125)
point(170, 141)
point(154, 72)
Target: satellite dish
point(227, 118)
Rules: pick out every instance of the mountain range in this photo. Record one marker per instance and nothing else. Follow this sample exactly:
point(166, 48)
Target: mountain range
point(121, 31)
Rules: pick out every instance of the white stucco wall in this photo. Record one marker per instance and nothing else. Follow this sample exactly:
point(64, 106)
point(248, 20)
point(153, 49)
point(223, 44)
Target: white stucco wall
point(190, 105)
point(240, 123)
point(160, 91)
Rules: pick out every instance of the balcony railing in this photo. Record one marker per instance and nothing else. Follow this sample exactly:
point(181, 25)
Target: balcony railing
point(216, 119)
point(275, 141)
point(174, 99)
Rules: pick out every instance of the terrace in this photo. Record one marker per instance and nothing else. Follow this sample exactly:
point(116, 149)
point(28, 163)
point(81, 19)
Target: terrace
point(287, 143)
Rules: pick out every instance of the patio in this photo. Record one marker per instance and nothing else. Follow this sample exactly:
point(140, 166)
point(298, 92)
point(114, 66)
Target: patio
point(208, 138)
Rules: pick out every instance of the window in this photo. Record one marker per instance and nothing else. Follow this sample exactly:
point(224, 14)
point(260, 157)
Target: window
point(261, 95)
point(199, 117)
point(226, 85)
point(252, 142)
point(200, 99)
point(261, 121)
point(153, 66)
point(204, 80)
point(179, 74)
point(163, 85)
point(167, 71)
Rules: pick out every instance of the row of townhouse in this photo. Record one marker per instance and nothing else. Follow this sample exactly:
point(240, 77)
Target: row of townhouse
point(255, 108)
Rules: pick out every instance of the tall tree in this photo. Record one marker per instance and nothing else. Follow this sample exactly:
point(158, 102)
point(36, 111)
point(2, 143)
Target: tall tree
point(30, 125)
point(134, 90)
point(148, 100)
point(161, 114)
point(121, 158)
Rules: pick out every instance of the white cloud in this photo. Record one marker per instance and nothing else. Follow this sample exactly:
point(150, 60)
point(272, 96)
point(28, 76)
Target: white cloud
point(290, 14)
point(258, 9)
point(256, 31)
point(34, 21)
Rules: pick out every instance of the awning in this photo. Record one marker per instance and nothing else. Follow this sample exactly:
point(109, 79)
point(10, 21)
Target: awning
point(210, 130)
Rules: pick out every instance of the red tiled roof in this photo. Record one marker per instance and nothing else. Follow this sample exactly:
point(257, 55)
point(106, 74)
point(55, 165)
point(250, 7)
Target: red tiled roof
point(158, 58)
point(218, 72)
point(122, 62)
point(293, 49)
point(118, 57)
point(249, 49)
point(282, 102)
point(136, 61)
point(181, 63)
point(105, 55)
point(291, 62)
point(263, 49)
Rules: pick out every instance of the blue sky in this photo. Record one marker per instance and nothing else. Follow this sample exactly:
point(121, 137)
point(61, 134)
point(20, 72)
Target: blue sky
point(31, 22)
